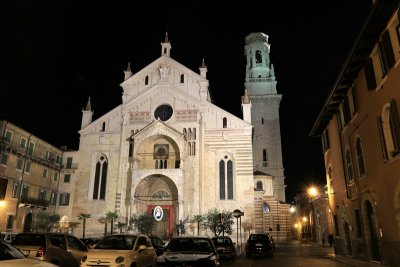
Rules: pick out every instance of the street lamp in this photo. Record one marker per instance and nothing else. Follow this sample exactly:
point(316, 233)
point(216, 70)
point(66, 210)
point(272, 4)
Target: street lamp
point(64, 224)
point(2, 203)
point(238, 215)
point(313, 191)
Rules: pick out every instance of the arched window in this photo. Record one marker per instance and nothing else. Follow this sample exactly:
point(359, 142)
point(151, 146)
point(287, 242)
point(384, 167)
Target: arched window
point(258, 57)
point(182, 78)
point(265, 155)
point(103, 127)
point(349, 166)
point(100, 178)
point(226, 179)
point(266, 207)
point(189, 150)
point(146, 80)
point(224, 122)
point(262, 120)
point(194, 134)
point(360, 157)
point(391, 130)
point(193, 148)
point(259, 185)
point(190, 134)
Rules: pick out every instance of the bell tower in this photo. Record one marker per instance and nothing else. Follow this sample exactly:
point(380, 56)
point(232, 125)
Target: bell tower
point(260, 86)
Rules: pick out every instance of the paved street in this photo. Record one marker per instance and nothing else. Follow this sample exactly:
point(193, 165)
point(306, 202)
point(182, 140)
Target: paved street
point(297, 254)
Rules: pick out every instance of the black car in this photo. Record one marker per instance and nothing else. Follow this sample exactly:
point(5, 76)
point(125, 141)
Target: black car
point(195, 251)
point(225, 247)
point(158, 244)
point(259, 244)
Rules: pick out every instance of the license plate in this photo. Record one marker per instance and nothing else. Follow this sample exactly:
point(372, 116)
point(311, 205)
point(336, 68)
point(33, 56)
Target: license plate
point(259, 245)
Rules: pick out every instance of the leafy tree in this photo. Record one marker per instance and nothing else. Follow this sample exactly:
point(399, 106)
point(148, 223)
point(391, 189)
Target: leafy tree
point(45, 221)
point(121, 226)
point(199, 219)
point(219, 222)
point(111, 216)
point(144, 223)
point(84, 216)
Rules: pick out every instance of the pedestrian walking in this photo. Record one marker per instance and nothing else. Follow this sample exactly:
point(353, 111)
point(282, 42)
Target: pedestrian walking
point(323, 240)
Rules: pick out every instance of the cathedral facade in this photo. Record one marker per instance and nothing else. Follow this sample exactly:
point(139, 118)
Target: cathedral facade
point(168, 146)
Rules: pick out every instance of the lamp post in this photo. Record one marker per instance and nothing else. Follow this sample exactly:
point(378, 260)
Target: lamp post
point(64, 224)
point(238, 215)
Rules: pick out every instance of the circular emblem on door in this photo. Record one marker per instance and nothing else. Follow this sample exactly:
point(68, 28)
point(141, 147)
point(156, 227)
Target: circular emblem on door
point(158, 213)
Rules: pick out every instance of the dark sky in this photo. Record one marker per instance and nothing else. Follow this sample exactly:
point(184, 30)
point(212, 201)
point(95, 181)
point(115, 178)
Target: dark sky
point(59, 54)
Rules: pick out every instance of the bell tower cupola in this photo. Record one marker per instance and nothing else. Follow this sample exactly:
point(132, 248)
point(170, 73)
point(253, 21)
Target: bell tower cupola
point(166, 46)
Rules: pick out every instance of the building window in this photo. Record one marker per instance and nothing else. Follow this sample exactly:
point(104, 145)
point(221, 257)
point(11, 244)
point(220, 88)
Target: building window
point(185, 133)
point(31, 149)
point(28, 167)
point(389, 129)
point(194, 134)
point(44, 173)
point(42, 197)
point(258, 57)
point(182, 78)
point(24, 193)
point(224, 122)
point(67, 178)
point(8, 136)
point(259, 185)
point(53, 198)
point(262, 120)
point(20, 163)
point(3, 188)
point(193, 148)
point(100, 178)
point(22, 143)
point(266, 207)
point(4, 158)
point(64, 199)
point(69, 163)
point(15, 190)
point(349, 166)
point(226, 178)
point(385, 51)
point(55, 176)
point(325, 141)
point(146, 80)
point(10, 222)
point(360, 157)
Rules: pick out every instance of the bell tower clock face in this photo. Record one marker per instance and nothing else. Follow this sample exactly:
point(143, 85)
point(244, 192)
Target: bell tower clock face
point(164, 112)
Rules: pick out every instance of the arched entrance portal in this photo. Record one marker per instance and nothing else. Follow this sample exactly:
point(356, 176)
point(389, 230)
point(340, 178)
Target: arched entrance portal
point(158, 190)
point(374, 246)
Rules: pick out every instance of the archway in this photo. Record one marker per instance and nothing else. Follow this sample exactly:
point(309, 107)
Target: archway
point(28, 223)
point(158, 190)
point(373, 243)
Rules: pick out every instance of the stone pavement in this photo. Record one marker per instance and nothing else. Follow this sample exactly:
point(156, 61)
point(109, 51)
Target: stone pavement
point(328, 253)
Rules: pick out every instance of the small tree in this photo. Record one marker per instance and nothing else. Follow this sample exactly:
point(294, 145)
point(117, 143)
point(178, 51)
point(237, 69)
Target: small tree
point(121, 226)
point(84, 216)
point(110, 216)
point(144, 223)
point(219, 222)
point(199, 219)
point(45, 221)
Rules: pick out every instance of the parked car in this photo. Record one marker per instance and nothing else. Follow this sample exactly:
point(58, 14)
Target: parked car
point(259, 244)
point(225, 247)
point(193, 251)
point(157, 243)
point(57, 248)
point(121, 250)
point(10, 256)
point(8, 236)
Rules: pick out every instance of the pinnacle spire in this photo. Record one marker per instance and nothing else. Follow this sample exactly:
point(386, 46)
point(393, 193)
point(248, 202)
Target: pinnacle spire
point(166, 38)
point(88, 105)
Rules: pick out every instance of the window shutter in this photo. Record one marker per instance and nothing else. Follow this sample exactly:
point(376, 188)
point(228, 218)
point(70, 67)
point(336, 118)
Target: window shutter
point(394, 122)
point(370, 75)
point(382, 138)
point(388, 50)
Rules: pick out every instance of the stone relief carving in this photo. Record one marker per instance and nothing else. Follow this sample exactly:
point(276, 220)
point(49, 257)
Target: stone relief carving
point(163, 72)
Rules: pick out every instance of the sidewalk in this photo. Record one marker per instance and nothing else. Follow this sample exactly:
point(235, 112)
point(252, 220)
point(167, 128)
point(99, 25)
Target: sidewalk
point(328, 253)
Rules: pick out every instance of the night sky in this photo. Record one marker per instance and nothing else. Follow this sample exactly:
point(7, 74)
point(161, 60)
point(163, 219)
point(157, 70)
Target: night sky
point(59, 54)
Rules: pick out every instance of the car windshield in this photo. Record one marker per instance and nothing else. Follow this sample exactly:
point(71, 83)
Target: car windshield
point(8, 252)
point(202, 245)
point(118, 242)
point(29, 240)
point(263, 238)
point(222, 241)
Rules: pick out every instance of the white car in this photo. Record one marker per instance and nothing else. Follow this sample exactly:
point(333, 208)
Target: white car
point(10, 256)
point(121, 250)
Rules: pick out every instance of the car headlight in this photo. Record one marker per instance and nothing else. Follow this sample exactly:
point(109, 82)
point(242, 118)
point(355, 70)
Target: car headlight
point(119, 259)
point(84, 258)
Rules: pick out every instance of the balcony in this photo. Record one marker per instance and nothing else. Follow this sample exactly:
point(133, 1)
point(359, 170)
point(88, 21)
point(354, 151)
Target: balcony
point(33, 202)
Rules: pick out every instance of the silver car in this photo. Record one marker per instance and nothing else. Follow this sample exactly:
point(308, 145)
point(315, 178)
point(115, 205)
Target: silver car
point(58, 248)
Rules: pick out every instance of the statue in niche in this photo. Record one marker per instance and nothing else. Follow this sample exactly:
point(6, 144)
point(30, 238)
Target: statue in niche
point(163, 72)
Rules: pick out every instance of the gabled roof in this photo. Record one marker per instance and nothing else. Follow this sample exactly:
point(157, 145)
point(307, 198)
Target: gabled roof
point(369, 35)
